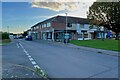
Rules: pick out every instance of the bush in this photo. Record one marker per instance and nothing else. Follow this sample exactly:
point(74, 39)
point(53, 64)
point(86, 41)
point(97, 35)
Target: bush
point(5, 35)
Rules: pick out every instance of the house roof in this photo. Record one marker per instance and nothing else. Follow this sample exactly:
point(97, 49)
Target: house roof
point(62, 19)
point(72, 19)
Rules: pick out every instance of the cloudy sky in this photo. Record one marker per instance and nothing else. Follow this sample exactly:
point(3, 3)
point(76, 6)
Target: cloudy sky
point(20, 16)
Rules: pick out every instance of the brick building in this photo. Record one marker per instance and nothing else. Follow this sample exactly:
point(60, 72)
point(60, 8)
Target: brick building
point(55, 28)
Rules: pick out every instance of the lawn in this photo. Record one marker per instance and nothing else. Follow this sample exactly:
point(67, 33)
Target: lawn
point(5, 41)
point(107, 44)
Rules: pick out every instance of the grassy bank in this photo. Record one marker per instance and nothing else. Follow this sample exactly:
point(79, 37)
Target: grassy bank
point(107, 44)
point(5, 41)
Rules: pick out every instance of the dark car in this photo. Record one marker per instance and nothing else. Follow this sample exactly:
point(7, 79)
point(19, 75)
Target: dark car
point(15, 37)
point(21, 37)
point(29, 38)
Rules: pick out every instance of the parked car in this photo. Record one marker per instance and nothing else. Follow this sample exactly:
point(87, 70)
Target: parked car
point(15, 37)
point(21, 37)
point(29, 38)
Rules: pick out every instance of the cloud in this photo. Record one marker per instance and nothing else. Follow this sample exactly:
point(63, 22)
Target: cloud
point(81, 10)
point(58, 5)
point(55, 6)
point(77, 8)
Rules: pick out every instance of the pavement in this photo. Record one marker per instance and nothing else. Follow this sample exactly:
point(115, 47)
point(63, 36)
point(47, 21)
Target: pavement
point(100, 51)
point(58, 60)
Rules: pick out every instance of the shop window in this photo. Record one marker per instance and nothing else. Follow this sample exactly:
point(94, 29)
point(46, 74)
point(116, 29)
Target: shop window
point(79, 35)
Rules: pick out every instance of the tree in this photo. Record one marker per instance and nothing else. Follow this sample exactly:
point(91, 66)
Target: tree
point(25, 34)
point(106, 14)
point(5, 35)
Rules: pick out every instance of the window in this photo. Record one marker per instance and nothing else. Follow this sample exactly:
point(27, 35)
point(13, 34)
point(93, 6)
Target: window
point(81, 25)
point(44, 25)
point(80, 35)
point(74, 25)
point(48, 24)
point(86, 26)
point(37, 27)
point(34, 28)
point(40, 26)
point(69, 25)
point(85, 35)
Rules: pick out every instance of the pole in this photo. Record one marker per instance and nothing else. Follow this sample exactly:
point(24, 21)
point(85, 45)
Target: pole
point(53, 34)
point(66, 23)
point(66, 30)
point(8, 29)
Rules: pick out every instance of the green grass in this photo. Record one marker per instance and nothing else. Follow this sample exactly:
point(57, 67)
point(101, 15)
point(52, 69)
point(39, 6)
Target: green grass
point(107, 44)
point(5, 41)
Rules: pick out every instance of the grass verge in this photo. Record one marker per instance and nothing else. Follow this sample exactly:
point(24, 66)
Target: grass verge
point(107, 44)
point(5, 41)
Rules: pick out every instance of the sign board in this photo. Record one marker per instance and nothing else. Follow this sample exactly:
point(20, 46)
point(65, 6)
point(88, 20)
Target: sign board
point(67, 35)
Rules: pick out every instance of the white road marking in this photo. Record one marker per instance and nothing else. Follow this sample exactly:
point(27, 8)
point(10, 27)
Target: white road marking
point(29, 56)
point(33, 62)
point(31, 59)
point(17, 45)
point(36, 66)
point(21, 45)
point(25, 51)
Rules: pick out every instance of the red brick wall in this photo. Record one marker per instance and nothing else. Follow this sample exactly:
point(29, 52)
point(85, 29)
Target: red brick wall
point(58, 26)
point(46, 28)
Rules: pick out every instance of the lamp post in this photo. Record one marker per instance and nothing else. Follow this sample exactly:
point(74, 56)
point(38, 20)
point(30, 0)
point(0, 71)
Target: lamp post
point(66, 34)
point(66, 23)
point(8, 29)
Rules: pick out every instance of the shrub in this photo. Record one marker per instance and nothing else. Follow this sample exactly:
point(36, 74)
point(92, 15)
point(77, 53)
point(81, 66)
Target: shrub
point(5, 35)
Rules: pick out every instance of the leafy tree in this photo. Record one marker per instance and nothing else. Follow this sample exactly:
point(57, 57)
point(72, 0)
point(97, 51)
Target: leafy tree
point(5, 35)
point(106, 14)
point(25, 34)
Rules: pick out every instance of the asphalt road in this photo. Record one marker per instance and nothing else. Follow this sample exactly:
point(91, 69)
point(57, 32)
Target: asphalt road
point(15, 63)
point(58, 61)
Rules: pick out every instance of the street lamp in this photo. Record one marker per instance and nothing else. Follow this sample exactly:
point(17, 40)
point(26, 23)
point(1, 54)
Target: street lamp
point(8, 29)
point(66, 34)
point(66, 23)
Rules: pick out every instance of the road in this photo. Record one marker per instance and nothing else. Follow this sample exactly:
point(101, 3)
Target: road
point(58, 61)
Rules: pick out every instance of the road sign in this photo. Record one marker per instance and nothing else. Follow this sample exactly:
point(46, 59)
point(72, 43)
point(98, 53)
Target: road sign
point(67, 35)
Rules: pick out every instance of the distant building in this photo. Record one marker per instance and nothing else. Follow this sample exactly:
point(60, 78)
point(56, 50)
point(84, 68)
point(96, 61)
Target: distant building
point(55, 28)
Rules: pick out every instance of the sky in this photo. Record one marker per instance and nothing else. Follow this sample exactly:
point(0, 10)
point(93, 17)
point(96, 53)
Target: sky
point(20, 16)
